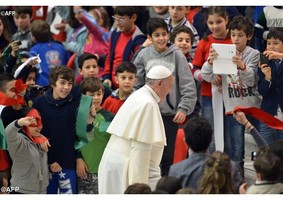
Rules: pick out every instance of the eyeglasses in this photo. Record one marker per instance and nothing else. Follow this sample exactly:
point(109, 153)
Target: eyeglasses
point(120, 20)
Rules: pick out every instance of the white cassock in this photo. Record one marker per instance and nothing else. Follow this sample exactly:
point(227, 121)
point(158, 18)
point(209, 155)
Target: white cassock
point(135, 148)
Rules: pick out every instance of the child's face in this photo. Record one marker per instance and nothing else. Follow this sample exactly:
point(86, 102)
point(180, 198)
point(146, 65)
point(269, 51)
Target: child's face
point(274, 45)
point(126, 81)
point(22, 21)
point(160, 9)
point(217, 25)
point(10, 89)
point(1, 27)
point(96, 98)
point(240, 39)
point(35, 131)
point(90, 68)
point(183, 41)
point(177, 13)
point(61, 89)
point(30, 82)
point(125, 23)
point(159, 39)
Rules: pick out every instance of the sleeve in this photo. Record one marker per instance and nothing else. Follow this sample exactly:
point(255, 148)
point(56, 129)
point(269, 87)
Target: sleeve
point(207, 72)
point(258, 138)
point(139, 162)
point(14, 141)
point(140, 65)
point(187, 87)
point(106, 71)
point(92, 28)
point(249, 75)
point(263, 85)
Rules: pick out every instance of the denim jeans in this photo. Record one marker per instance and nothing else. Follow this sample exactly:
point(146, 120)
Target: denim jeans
point(207, 112)
point(237, 139)
point(269, 134)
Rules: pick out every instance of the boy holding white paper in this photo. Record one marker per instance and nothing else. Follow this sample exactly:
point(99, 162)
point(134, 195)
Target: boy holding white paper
point(238, 89)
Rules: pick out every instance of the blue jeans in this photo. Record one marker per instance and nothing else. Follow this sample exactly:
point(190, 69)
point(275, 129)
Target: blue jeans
point(207, 112)
point(237, 139)
point(269, 134)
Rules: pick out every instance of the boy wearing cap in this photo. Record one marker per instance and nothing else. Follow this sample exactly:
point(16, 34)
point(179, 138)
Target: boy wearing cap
point(134, 151)
point(182, 99)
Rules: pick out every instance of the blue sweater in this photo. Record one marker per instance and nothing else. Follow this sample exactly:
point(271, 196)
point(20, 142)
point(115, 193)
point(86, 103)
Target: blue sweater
point(59, 120)
point(271, 91)
point(51, 54)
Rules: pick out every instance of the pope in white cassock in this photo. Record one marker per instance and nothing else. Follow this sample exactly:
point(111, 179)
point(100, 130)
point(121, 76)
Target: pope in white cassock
point(135, 148)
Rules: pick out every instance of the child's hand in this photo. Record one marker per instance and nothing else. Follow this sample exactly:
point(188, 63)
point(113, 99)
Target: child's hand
point(212, 55)
point(61, 26)
point(45, 145)
point(273, 55)
point(33, 62)
point(26, 121)
point(240, 117)
point(108, 82)
point(15, 48)
point(243, 188)
point(55, 167)
point(147, 43)
point(179, 118)
point(92, 114)
point(266, 70)
point(238, 61)
point(81, 168)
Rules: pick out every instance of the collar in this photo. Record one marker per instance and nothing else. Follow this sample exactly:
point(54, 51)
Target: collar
point(153, 93)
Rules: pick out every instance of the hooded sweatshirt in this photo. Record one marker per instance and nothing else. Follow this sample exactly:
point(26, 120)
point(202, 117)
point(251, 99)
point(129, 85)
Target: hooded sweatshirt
point(183, 94)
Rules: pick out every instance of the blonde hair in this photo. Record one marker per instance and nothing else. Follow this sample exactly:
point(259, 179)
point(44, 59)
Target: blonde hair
point(217, 176)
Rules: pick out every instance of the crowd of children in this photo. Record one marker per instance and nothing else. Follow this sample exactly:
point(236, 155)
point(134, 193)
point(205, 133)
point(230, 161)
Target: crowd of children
point(62, 84)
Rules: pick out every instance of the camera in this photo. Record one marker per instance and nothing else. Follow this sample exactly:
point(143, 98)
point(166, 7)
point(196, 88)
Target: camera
point(18, 42)
point(263, 59)
point(253, 155)
point(38, 90)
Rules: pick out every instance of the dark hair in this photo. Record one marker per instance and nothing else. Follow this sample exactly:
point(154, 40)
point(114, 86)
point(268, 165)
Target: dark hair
point(40, 30)
point(138, 188)
point(276, 33)
point(85, 56)
point(155, 23)
point(275, 148)
point(71, 20)
point(5, 78)
point(127, 66)
point(267, 165)
point(170, 184)
point(23, 10)
point(242, 23)
point(6, 35)
point(214, 10)
point(91, 84)
point(198, 134)
point(181, 29)
point(126, 10)
point(63, 72)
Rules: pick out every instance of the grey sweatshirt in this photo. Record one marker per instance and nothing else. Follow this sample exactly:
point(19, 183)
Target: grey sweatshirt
point(240, 89)
point(30, 168)
point(183, 94)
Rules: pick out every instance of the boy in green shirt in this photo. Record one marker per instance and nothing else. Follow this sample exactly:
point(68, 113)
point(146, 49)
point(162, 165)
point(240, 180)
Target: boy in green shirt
point(90, 155)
